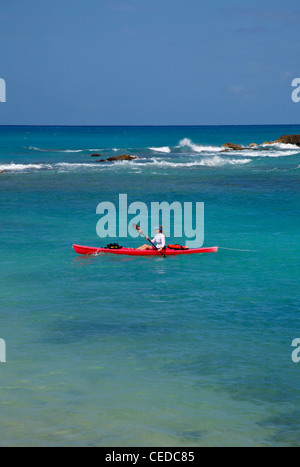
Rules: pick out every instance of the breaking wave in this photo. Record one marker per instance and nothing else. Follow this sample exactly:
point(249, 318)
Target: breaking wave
point(187, 143)
point(164, 149)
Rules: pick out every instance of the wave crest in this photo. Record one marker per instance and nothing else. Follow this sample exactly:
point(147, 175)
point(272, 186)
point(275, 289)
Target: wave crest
point(188, 143)
point(164, 149)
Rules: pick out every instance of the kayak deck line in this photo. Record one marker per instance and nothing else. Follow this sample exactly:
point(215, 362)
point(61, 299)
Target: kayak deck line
point(86, 250)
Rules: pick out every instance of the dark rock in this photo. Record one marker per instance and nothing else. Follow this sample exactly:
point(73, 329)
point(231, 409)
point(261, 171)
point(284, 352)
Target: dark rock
point(122, 157)
point(289, 139)
point(96, 155)
point(234, 147)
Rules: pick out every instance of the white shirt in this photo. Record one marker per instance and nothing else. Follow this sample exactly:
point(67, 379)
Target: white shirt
point(160, 240)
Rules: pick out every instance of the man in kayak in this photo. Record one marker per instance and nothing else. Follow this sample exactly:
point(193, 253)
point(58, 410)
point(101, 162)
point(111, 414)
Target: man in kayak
point(159, 239)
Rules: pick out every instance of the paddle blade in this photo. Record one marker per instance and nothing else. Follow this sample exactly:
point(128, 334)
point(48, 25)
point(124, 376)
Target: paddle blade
point(136, 227)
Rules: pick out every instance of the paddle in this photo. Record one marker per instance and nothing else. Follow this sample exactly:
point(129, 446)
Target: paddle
point(139, 230)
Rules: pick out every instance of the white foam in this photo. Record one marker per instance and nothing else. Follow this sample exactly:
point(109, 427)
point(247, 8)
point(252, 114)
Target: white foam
point(283, 153)
point(20, 167)
point(264, 153)
point(153, 162)
point(61, 165)
point(282, 146)
point(72, 150)
point(218, 161)
point(69, 164)
point(207, 162)
point(33, 148)
point(164, 149)
point(186, 142)
point(274, 149)
point(73, 166)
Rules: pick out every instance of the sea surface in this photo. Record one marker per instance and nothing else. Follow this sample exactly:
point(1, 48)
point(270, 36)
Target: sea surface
point(122, 351)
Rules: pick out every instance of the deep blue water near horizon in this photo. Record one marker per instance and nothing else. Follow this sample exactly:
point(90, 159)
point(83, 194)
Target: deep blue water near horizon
point(120, 351)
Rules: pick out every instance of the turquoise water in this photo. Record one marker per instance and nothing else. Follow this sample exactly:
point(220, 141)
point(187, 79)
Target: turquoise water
point(121, 351)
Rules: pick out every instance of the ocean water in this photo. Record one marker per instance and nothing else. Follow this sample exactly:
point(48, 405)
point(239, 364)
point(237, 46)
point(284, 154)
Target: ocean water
point(121, 351)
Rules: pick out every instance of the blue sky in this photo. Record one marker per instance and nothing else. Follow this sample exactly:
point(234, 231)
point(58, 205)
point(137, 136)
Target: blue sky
point(160, 62)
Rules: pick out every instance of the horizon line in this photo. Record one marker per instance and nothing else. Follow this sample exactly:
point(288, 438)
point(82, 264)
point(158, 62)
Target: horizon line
point(150, 126)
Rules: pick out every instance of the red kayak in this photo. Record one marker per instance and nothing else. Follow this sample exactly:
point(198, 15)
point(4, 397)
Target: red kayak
point(86, 250)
